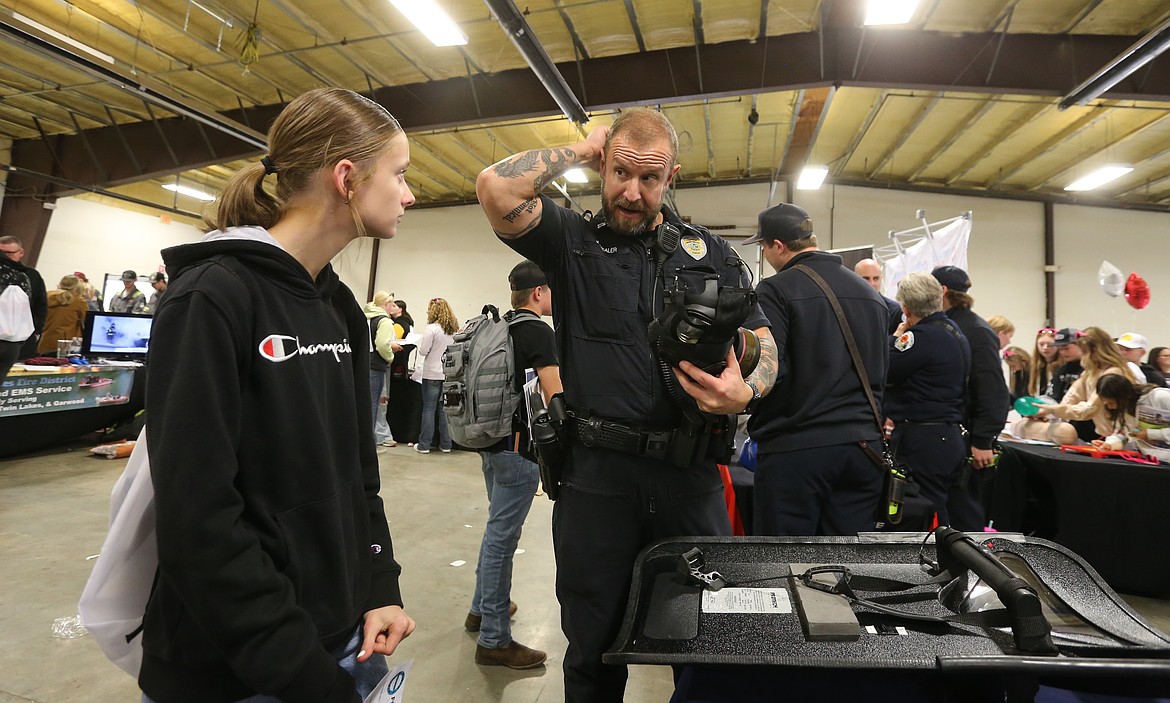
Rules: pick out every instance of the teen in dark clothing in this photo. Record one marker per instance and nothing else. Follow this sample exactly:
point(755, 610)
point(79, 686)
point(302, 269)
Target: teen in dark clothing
point(512, 479)
point(276, 571)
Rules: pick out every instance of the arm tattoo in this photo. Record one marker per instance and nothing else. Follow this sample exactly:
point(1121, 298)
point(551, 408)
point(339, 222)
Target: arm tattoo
point(526, 206)
point(548, 163)
point(506, 236)
point(765, 374)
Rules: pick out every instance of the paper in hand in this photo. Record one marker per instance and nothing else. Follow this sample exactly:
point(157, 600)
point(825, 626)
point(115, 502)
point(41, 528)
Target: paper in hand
point(392, 687)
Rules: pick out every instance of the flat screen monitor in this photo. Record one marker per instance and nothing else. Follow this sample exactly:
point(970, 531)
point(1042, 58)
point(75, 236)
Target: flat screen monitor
point(116, 335)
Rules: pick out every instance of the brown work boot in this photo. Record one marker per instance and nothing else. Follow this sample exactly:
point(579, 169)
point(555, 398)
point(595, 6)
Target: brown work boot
point(514, 656)
point(473, 621)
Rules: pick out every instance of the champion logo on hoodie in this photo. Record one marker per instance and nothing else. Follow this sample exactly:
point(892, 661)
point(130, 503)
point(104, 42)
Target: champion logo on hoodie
point(282, 347)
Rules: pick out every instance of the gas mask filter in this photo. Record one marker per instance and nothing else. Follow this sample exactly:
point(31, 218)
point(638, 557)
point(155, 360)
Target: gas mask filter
point(702, 327)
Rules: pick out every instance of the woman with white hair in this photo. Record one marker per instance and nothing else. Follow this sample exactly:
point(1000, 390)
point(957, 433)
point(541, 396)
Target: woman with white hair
point(925, 386)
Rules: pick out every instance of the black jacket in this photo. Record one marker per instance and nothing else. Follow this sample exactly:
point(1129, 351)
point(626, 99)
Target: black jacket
point(895, 313)
point(818, 399)
point(272, 538)
point(927, 379)
point(987, 392)
point(1063, 379)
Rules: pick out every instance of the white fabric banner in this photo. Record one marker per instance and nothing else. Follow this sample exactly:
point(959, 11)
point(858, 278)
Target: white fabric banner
point(947, 246)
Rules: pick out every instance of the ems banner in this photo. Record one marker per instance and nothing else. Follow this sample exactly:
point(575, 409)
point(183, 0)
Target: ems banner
point(64, 388)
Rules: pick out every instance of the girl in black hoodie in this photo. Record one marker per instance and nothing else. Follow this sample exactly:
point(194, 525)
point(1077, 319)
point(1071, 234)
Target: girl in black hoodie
point(276, 571)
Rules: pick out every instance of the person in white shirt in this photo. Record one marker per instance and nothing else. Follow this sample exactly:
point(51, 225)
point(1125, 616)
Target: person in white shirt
point(441, 325)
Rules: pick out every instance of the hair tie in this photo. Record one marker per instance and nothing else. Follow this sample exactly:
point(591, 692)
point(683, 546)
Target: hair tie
point(269, 167)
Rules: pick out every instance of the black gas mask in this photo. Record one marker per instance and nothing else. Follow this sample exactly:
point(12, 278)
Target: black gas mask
point(701, 327)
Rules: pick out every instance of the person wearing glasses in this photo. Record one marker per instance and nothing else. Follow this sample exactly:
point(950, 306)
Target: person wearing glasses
point(276, 573)
point(1159, 358)
point(13, 252)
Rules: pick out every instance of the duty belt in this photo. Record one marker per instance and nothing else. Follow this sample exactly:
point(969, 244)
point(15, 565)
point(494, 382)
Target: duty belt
point(605, 434)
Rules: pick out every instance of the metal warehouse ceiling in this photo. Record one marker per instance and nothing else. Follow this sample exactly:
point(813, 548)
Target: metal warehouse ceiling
point(963, 99)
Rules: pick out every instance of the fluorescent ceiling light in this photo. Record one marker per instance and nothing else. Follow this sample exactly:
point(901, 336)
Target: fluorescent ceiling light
point(1098, 178)
point(811, 177)
point(62, 38)
point(432, 21)
point(890, 11)
point(189, 191)
point(576, 175)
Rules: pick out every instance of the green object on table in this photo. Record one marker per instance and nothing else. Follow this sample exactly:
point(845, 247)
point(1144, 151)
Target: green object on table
point(1028, 405)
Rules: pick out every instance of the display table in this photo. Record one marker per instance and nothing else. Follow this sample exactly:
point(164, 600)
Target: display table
point(1110, 512)
point(43, 406)
point(669, 621)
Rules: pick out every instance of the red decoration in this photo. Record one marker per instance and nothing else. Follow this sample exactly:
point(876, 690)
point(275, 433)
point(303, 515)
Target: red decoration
point(1137, 292)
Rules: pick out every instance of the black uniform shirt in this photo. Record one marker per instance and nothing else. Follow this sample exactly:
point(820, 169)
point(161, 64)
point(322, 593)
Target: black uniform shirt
point(988, 400)
point(606, 290)
point(928, 370)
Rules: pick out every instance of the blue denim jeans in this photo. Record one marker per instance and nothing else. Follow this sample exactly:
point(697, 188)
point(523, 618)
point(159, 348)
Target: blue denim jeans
point(511, 482)
point(431, 390)
point(377, 381)
point(367, 674)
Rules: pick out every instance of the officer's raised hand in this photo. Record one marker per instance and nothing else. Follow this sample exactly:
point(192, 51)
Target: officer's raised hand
point(509, 189)
point(725, 394)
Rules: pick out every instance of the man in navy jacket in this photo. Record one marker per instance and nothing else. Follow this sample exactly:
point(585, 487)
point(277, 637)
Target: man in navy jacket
point(813, 477)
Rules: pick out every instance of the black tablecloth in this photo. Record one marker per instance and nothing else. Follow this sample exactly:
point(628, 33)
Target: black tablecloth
point(1108, 511)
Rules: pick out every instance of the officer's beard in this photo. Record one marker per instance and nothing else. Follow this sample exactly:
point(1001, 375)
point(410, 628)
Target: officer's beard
point(624, 226)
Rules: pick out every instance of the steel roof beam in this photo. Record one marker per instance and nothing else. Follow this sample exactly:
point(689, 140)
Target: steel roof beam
point(1044, 65)
point(634, 24)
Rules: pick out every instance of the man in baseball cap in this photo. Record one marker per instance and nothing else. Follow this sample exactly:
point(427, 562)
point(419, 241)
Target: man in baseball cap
point(1133, 347)
point(1070, 362)
point(812, 476)
point(782, 223)
point(158, 281)
point(953, 277)
point(987, 400)
point(130, 299)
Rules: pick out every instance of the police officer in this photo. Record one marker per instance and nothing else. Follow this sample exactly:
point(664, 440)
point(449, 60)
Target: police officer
point(639, 468)
point(925, 387)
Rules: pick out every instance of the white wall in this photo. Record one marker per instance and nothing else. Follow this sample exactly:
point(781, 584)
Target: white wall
point(98, 239)
point(452, 253)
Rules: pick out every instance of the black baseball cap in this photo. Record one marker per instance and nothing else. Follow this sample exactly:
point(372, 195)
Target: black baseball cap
point(1067, 336)
point(953, 277)
point(784, 223)
point(129, 275)
point(525, 275)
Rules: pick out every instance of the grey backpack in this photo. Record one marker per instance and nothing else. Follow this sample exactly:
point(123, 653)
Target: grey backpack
point(479, 393)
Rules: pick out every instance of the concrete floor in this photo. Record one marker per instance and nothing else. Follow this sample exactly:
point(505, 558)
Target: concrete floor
point(53, 515)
